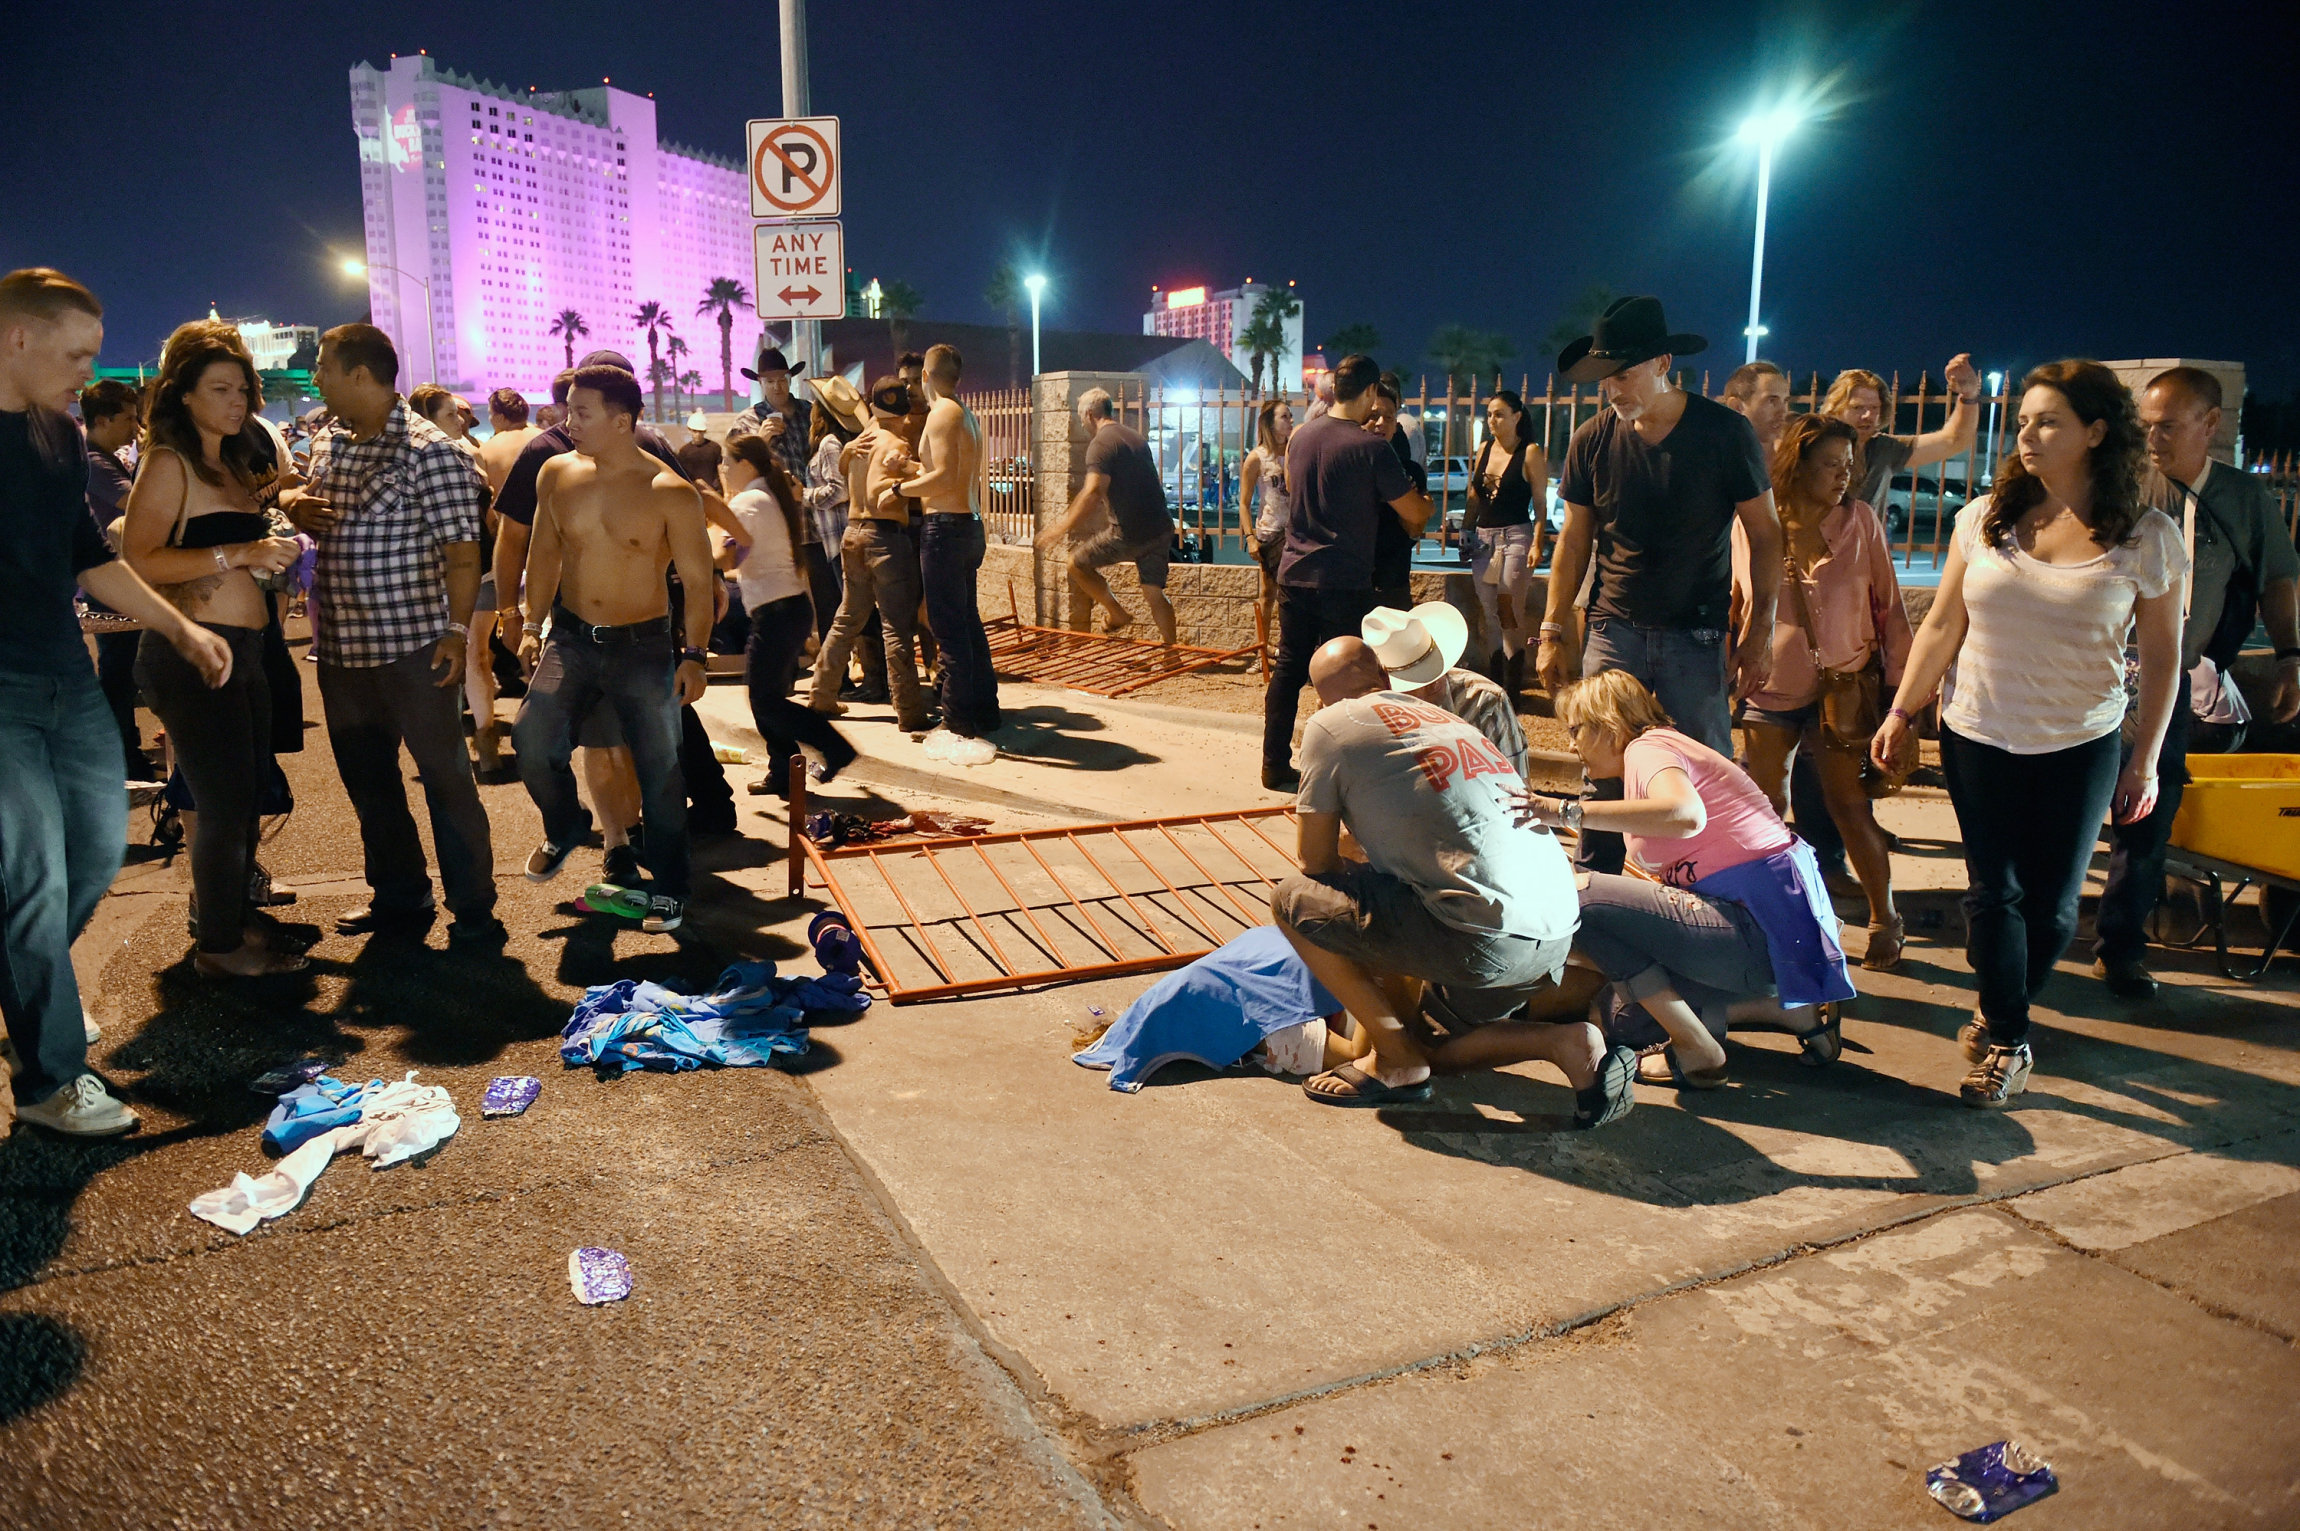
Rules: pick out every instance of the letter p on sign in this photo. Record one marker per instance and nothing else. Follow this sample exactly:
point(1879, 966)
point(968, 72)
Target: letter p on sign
point(795, 167)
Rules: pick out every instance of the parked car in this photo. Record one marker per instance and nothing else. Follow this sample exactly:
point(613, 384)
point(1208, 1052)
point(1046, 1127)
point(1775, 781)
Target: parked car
point(1930, 505)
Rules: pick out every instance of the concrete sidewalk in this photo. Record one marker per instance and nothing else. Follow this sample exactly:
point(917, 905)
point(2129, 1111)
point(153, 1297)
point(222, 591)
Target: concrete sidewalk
point(1772, 1305)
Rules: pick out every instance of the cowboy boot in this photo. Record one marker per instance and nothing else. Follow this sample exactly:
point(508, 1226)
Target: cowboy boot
point(1514, 681)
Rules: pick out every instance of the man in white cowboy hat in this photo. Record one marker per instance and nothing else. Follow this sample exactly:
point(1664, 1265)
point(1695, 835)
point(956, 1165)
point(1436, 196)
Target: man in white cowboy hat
point(1421, 650)
point(1653, 485)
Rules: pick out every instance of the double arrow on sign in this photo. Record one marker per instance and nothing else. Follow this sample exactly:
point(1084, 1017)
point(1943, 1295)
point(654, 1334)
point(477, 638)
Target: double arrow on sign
point(799, 294)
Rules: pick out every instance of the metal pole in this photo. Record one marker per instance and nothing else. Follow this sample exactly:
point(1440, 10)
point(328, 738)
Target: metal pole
point(806, 334)
point(430, 331)
point(1034, 333)
point(1757, 260)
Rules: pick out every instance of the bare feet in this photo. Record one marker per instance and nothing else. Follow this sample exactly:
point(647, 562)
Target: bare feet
point(1116, 619)
point(250, 961)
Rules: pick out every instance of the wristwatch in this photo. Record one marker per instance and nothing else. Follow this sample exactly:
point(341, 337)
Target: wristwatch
point(690, 656)
point(1573, 814)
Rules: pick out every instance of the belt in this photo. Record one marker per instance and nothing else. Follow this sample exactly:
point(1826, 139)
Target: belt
point(952, 515)
point(565, 622)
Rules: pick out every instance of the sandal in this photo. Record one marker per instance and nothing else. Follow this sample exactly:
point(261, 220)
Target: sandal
point(1824, 1043)
point(275, 963)
point(1883, 953)
point(1363, 1089)
point(1679, 1077)
point(1609, 1096)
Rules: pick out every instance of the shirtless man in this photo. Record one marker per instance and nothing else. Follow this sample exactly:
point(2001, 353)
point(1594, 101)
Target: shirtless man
point(609, 520)
point(507, 413)
point(880, 564)
point(945, 484)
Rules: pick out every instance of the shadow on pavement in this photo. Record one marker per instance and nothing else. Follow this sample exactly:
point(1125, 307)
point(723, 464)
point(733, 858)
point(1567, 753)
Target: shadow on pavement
point(1055, 736)
point(40, 1358)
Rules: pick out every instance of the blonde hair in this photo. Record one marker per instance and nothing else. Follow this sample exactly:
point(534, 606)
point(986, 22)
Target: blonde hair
point(1615, 701)
point(1841, 391)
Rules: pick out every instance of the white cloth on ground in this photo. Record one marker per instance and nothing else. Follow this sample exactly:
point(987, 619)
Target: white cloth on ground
point(396, 1123)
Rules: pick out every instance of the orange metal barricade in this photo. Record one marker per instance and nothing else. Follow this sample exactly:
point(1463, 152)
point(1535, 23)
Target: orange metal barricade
point(1105, 664)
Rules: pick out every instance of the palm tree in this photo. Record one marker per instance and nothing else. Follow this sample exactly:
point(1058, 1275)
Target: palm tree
point(1352, 340)
point(567, 326)
point(692, 381)
point(1006, 294)
point(1265, 332)
point(1579, 319)
point(899, 301)
point(723, 297)
point(674, 352)
point(655, 320)
point(1463, 353)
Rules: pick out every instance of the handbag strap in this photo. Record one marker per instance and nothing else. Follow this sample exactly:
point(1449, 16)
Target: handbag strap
point(1796, 582)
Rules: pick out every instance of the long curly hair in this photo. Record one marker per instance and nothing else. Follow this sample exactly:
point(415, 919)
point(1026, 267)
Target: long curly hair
point(190, 351)
point(2096, 395)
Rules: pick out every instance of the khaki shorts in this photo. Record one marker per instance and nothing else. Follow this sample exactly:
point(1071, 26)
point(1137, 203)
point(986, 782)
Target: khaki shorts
point(1381, 923)
point(1149, 556)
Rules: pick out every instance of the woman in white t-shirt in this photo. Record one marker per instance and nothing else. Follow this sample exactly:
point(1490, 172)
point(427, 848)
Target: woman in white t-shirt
point(2045, 580)
point(1262, 491)
point(774, 589)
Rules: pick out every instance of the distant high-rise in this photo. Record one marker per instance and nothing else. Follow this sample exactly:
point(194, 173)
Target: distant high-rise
point(515, 206)
point(1220, 319)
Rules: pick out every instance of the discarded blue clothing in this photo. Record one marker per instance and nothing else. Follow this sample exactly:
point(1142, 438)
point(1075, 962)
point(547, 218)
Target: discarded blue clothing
point(1791, 902)
point(306, 1111)
point(1216, 1010)
point(750, 1018)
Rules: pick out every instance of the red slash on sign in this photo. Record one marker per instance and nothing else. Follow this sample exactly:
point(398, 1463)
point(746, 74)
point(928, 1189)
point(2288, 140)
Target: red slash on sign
point(800, 294)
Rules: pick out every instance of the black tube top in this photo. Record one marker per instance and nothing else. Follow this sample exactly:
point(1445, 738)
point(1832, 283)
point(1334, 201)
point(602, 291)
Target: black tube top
point(221, 528)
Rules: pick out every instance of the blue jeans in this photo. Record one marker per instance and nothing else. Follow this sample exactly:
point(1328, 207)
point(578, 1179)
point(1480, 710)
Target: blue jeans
point(1684, 668)
point(63, 823)
point(949, 555)
point(636, 675)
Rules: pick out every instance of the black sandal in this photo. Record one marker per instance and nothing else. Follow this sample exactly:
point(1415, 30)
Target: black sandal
point(1824, 1043)
point(1610, 1096)
point(1365, 1090)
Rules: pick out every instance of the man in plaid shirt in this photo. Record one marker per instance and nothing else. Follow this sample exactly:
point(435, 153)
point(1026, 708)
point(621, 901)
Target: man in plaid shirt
point(395, 505)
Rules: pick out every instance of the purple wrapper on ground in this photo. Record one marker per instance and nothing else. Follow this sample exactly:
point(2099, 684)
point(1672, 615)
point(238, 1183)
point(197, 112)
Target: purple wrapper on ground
point(598, 1275)
point(1992, 1482)
point(509, 1095)
point(289, 1075)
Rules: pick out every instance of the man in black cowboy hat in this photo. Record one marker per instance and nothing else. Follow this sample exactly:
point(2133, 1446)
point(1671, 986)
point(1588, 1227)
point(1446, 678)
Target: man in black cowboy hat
point(1653, 485)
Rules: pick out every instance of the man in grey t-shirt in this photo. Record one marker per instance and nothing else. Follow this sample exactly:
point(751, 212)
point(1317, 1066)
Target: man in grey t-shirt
point(1858, 399)
point(1122, 477)
point(1451, 891)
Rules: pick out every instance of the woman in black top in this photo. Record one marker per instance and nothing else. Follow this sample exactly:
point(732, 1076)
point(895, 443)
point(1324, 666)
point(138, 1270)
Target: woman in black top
point(196, 530)
point(1508, 480)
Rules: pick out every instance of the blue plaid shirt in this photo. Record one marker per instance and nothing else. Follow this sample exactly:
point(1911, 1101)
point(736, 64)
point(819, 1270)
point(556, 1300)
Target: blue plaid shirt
point(379, 592)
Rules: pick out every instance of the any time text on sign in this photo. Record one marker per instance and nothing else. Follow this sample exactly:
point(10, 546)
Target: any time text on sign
point(801, 269)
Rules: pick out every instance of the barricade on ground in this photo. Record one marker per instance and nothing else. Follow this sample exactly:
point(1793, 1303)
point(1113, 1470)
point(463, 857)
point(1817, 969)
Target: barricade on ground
point(1106, 664)
point(939, 917)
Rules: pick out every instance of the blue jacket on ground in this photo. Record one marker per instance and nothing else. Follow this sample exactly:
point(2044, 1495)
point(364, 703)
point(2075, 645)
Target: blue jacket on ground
point(1216, 1010)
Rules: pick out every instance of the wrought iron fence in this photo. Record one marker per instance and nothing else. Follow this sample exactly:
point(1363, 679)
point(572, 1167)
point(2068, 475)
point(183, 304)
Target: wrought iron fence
point(1201, 440)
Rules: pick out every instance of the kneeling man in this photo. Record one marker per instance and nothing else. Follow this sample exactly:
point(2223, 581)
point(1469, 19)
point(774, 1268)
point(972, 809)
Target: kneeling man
point(1450, 892)
point(609, 520)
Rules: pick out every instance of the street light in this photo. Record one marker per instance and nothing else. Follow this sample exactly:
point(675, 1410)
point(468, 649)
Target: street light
point(355, 267)
point(1037, 285)
point(1765, 132)
point(1996, 392)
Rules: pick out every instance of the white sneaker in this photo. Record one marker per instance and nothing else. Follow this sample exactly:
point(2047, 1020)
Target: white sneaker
point(83, 1108)
point(95, 1032)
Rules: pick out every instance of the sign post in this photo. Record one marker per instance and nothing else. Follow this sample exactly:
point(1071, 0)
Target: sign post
point(801, 270)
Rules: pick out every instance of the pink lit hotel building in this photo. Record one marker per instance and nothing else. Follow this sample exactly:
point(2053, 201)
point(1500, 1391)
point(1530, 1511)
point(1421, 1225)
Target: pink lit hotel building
point(512, 206)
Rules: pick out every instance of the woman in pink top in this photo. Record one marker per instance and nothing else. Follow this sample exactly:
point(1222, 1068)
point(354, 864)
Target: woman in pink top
point(1732, 924)
point(1840, 601)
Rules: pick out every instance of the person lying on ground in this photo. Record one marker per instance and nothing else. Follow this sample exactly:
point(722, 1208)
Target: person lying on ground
point(1739, 918)
point(1451, 892)
point(1421, 650)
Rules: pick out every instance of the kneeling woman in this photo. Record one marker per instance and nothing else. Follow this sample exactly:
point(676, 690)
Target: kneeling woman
point(1739, 925)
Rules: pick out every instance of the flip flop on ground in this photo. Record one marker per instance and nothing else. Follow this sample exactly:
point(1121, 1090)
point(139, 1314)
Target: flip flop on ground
point(1350, 1085)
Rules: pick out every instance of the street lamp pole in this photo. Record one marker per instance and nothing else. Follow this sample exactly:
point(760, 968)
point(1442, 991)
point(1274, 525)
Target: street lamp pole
point(1757, 257)
point(1996, 394)
point(1037, 285)
point(798, 101)
point(1765, 132)
point(356, 267)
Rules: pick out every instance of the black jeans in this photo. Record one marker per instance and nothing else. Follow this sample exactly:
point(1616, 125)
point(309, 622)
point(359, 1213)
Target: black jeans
point(635, 673)
point(949, 556)
point(116, 673)
point(778, 637)
point(1812, 812)
point(2029, 824)
point(373, 710)
point(63, 823)
point(2136, 859)
point(823, 583)
point(223, 741)
point(1306, 618)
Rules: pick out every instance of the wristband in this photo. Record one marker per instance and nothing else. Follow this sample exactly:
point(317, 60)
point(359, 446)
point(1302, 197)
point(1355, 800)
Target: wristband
point(532, 629)
point(1552, 629)
point(1897, 711)
point(221, 563)
point(690, 656)
point(462, 628)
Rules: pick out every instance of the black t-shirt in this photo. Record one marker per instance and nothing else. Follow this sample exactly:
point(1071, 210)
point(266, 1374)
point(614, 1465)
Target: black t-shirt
point(1341, 479)
point(1393, 544)
point(1664, 513)
point(1137, 495)
point(517, 501)
point(46, 538)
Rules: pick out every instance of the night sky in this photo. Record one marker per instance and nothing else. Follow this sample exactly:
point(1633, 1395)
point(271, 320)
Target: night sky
point(2021, 181)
